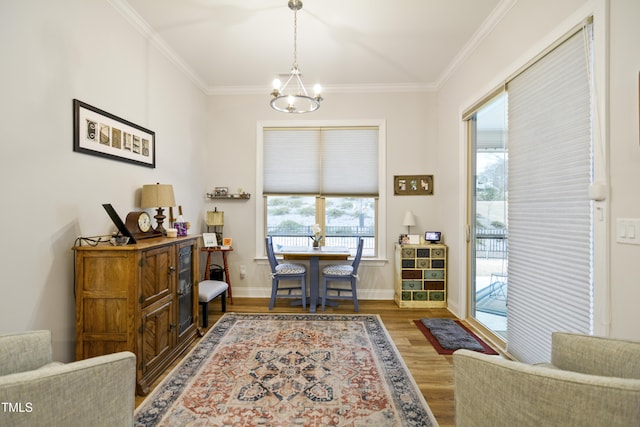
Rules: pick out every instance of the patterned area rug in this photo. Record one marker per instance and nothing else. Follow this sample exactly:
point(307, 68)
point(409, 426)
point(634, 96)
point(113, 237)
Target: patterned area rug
point(449, 335)
point(289, 370)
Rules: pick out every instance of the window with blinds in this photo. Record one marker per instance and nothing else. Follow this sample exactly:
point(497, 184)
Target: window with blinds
point(322, 161)
point(322, 175)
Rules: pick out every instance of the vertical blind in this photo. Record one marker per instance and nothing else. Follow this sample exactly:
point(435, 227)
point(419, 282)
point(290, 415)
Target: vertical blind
point(325, 161)
point(550, 221)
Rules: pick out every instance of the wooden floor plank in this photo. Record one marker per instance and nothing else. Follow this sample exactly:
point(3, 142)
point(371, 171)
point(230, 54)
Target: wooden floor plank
point(432, 372)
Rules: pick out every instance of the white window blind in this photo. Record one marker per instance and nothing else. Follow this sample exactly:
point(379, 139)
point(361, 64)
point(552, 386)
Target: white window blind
point(336, 161)
point(550, 222)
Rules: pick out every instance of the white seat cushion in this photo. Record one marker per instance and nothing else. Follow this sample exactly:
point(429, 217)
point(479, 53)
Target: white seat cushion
point(338, 270)
point(209, 289)
point(290, 269)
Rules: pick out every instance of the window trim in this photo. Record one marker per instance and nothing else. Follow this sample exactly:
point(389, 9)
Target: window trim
point(259, 199)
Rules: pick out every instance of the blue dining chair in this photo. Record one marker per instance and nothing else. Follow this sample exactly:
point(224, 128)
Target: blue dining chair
point(285, 272)
point(342, 273)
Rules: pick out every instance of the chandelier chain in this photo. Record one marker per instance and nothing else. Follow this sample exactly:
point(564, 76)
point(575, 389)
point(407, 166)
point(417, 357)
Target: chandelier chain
point(295, 38)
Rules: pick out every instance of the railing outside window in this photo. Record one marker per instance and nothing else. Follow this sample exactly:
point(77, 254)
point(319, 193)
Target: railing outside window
point(491, 243)
point(345, 236)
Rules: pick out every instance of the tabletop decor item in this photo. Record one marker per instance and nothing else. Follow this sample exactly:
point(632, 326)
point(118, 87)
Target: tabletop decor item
point(317, 235)
point(119, 240)
point(158, 196)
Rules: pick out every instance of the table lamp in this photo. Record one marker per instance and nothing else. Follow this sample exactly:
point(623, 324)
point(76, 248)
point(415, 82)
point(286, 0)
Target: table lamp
point(158, 196)
point(409, 220)
point(215, 219)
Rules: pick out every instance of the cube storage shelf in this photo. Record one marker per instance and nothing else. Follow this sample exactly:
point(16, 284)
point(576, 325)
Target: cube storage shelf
point(421, 276)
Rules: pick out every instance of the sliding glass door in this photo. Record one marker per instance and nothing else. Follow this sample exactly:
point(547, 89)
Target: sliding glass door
point(488, 230)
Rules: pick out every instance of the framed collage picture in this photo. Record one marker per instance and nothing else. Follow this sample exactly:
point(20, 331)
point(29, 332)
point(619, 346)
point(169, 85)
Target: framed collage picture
point(413, 185)
point(102, 134)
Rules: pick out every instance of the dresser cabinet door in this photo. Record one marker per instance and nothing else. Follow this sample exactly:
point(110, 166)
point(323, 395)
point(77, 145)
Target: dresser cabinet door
point(158, 272)
point(158, 334)
point(186, 287)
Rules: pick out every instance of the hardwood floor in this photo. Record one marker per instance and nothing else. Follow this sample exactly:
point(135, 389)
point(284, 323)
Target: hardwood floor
point(432, 372)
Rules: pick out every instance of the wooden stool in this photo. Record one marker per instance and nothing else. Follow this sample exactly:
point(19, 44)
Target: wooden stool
point(208, 290)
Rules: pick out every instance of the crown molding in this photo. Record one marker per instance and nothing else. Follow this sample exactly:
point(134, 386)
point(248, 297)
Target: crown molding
point(497, 15)
point(137, 22)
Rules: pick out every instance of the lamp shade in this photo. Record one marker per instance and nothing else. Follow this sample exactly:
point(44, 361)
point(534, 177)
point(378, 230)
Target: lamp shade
point(215, 218)
point(409, 219)
point(157, 195)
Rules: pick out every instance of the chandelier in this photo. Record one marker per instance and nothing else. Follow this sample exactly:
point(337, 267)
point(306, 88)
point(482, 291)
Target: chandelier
point(292, 97)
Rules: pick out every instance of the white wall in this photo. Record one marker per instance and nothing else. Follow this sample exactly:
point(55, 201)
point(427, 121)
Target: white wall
point(625, 163)
point(411, 149)
point(527, 29)
point(53, 52)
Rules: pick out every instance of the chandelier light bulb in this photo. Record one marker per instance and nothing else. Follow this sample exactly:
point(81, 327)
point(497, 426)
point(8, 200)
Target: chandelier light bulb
point(291, 100)
point(276, 84)
point(317, 89)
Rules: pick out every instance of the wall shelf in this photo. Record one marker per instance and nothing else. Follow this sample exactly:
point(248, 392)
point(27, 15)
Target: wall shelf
point(243, 196)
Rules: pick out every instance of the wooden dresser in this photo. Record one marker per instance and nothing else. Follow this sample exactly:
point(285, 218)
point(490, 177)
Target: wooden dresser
point(421, 276)
point(141, 298)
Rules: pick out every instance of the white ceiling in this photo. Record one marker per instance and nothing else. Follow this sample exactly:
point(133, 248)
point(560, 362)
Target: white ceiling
point(346, 45)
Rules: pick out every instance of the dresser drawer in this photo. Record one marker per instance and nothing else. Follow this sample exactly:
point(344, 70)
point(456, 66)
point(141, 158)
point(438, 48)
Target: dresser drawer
point(408, 263)
point(420, 296)
point(423, 253)
point(437, 263)
point(408, 253)
point(434, 274)
point(412, 274)
point(436, 296)
point(411, 285)
point(437, 253)
point(434, 285)
point(423, 263)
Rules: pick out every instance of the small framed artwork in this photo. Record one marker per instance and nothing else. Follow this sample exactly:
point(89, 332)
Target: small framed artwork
point(99, 133)
point(210, 240)
point(413, 185)
point(221, 191)
point(227, 241)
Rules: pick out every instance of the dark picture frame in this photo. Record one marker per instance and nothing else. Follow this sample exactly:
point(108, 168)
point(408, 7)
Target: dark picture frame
point(413, 185)
point(102, 134)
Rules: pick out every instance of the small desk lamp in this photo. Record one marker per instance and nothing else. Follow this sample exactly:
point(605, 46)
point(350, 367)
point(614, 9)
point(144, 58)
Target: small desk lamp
point(158, 196)
point(215, 219)
point(409, 220)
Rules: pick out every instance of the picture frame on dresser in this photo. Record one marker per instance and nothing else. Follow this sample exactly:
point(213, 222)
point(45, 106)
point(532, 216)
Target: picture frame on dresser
point(210, 240)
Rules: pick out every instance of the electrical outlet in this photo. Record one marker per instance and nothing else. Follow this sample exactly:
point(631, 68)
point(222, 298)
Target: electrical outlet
point(243, 271)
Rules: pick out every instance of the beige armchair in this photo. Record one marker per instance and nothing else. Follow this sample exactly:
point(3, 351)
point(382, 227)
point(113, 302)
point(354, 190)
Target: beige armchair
point(591, 381)
point(34, 391)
